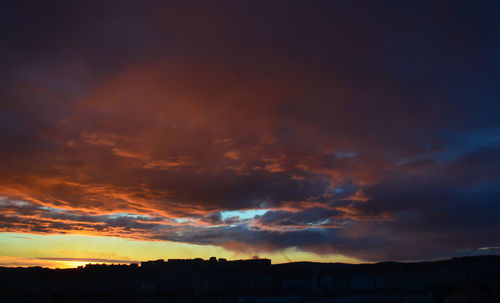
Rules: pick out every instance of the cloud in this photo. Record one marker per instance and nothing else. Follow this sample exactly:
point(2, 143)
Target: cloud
point(355, 136)
point(319, 217)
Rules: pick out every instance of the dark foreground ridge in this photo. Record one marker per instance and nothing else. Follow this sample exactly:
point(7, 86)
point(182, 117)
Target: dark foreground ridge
point(469, 279)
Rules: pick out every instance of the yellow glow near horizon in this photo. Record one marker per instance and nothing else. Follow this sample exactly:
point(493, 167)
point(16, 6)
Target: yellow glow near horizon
point(53, 251)
point(72, 264)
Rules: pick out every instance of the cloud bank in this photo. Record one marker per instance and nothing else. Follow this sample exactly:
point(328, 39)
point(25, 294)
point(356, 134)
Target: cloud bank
point(367, 130)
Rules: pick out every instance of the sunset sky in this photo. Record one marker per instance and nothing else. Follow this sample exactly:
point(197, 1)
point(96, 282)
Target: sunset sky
point(332, 131)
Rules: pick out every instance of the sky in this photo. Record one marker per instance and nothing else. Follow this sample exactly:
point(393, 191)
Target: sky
point(331, 131)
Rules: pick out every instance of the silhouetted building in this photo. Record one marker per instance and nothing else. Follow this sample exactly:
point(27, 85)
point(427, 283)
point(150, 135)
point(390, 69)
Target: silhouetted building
point(473, 279)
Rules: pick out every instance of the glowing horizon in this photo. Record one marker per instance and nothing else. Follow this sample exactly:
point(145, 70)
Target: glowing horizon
point(53, 251)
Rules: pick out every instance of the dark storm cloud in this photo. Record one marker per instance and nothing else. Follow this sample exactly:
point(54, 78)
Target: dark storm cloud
point(451, 206)
point(364, 128)
point(310, 217)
